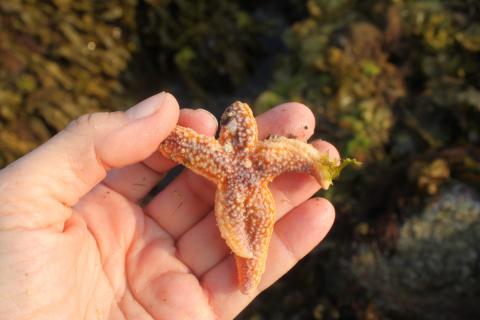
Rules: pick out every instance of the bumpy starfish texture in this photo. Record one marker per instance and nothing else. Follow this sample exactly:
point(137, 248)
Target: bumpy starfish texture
point(241, 166)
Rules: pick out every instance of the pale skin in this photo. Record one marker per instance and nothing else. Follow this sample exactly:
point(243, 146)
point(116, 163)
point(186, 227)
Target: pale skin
point(75, 243)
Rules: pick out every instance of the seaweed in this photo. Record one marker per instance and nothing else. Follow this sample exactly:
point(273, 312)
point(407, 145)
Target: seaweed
point(392, 83)
point(58, 60)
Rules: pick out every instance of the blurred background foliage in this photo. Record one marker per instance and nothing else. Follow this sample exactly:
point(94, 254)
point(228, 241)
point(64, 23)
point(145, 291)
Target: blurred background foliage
point(393, 83)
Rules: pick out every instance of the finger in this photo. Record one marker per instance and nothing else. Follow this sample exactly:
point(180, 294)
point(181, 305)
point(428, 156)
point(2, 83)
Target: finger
point(288, 190)
point(57, 174)
point(190, 197)
point(136, 180)
point(290, 119)
point(295, 235)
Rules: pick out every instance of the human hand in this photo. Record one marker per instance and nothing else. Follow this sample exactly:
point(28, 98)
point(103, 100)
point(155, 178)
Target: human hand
point(75, 243)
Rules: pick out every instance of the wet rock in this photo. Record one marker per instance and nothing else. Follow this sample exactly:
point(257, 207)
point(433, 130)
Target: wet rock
point(432, 273)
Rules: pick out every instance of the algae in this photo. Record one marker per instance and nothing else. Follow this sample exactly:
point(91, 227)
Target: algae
point(392, 83)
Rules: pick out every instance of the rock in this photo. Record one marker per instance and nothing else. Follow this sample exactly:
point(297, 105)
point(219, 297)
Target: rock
point(432, 273)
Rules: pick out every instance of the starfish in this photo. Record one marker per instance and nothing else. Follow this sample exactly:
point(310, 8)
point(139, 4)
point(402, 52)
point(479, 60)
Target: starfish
point(241, 167)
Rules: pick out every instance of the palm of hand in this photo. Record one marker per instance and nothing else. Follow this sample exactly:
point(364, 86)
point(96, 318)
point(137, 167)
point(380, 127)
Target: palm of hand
point(131, 263)
point(114, 259)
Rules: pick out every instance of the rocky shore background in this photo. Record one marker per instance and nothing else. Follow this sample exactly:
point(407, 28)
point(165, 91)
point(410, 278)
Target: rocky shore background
point(393, 83)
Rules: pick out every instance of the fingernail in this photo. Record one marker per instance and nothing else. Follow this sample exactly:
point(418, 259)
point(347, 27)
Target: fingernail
point(214, 119)
point(147, 107)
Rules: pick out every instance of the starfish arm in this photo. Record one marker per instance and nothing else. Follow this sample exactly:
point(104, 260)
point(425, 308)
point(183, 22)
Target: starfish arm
point(202, 154)
point(230, 215)
point(238, 128)
point(259, 225)
point(279, 154)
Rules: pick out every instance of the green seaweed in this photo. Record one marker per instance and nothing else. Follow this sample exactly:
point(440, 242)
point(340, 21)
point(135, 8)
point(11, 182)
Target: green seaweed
point(58, 60)
point(336, 170)
point(392, 83)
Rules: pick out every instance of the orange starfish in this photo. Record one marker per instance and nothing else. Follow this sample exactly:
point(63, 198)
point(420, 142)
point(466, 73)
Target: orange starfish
point(241, 167)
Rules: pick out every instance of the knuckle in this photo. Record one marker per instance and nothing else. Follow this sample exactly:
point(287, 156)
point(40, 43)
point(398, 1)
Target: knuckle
point(80, 122)
point(91, 120)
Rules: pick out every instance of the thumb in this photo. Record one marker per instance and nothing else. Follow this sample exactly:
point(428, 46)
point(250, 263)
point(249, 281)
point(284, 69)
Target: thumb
point(39, 189)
